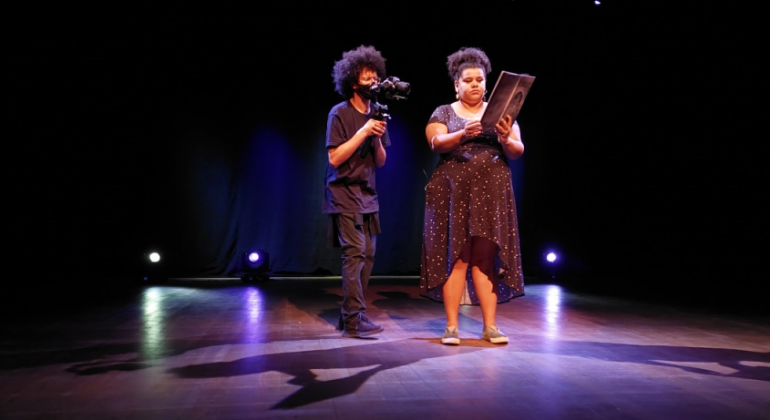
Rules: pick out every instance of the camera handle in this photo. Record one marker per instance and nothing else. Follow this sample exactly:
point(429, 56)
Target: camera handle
point(380, 114)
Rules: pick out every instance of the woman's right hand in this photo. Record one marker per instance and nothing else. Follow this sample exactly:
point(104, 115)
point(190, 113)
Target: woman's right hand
point(472, 129)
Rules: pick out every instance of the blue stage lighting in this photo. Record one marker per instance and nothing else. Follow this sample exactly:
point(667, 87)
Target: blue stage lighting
point(256, 264)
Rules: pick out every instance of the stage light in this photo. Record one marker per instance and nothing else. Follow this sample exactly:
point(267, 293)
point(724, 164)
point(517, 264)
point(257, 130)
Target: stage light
point(254, 258)
point(255, 265)
point(153, 267)
point(550, 263)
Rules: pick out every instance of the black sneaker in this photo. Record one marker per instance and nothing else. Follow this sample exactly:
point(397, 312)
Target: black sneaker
point(362, 328)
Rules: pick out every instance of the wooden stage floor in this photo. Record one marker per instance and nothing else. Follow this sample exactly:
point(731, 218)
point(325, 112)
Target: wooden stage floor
point(232, 350)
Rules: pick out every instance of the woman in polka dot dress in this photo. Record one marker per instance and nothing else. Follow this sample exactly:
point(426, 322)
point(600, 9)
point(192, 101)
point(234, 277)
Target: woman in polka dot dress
point(470, 250)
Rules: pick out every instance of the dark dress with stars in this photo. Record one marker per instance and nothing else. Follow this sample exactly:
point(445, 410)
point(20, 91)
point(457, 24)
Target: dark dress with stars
point(469, 194)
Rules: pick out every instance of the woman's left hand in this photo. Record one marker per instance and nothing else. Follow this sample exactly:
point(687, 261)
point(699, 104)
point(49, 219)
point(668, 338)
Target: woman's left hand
point(503, 129)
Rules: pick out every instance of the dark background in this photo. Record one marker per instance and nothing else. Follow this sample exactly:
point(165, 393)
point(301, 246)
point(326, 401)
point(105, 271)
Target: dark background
point(199, 130)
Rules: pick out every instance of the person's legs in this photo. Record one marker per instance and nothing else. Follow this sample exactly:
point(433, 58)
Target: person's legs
point(482, 262)
point(454, 287)
point(352, 242)
point(483, 255)
point(370, 249)
point(485, 291)
point(453, 292)
point(357, 247)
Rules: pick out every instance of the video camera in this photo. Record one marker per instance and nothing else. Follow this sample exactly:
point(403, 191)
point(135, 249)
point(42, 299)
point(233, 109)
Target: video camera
point(391, 88)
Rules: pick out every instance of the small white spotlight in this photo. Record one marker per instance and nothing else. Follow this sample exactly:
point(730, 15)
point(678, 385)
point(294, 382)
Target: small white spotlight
point(256, 264)
point(256, 259)
point(152, 268)
point(551, 257)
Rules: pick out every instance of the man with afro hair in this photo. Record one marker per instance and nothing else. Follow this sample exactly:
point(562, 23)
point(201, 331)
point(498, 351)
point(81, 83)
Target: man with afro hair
point(355, 142)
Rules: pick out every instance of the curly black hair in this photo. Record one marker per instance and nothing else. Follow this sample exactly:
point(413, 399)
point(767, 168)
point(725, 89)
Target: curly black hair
point(467, 58)
point(347, 70)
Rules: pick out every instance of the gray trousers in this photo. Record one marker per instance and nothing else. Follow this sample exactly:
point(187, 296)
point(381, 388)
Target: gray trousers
point(357, 234)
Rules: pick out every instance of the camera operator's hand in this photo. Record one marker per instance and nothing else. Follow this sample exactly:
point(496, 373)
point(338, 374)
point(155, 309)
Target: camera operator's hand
point(375, 127)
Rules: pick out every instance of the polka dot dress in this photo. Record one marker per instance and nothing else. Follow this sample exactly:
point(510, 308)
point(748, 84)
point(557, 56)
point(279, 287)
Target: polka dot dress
point(469, 194)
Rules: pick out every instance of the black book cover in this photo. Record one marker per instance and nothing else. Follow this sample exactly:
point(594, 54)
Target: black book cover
point(507, 98)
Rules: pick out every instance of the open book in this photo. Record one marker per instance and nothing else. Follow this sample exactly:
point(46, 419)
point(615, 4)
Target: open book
point(507, 98)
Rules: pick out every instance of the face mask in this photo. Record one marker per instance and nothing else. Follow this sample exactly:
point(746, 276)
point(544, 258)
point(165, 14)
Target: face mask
point(366, 91)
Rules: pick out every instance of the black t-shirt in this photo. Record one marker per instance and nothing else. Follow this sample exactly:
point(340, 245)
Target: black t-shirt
point(351, 187)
